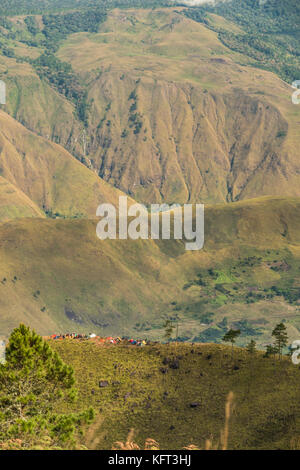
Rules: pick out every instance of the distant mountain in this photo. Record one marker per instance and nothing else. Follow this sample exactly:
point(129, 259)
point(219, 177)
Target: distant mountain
point(157, 106)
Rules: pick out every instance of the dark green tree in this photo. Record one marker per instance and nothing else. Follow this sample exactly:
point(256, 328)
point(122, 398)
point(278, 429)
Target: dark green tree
point(270, 351)
point(34, 384)
point(230, 337)
point(281, 338)
point(169, 328)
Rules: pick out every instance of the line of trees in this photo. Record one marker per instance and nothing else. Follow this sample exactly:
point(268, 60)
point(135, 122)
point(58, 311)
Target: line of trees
point(38, 7)
point(279, 334)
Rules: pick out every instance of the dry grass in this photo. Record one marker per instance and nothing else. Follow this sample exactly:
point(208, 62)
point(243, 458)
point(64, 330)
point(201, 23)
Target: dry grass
point(295, 443)
point(151, 444)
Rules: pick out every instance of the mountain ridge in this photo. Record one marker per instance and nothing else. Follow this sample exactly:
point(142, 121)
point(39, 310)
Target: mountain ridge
point(51, 177)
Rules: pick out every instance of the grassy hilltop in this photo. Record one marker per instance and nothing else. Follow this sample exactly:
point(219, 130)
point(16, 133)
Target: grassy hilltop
point(158, 405)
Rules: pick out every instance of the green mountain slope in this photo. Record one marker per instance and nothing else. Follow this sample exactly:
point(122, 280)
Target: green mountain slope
point(15, 204)
point(247, 273)
point(267, 32)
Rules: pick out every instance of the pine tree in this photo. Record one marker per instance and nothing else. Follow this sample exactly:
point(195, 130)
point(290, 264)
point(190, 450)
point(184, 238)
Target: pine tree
point(230, 337)
point(281, 337)
point(169, 328)
point(34, 381)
